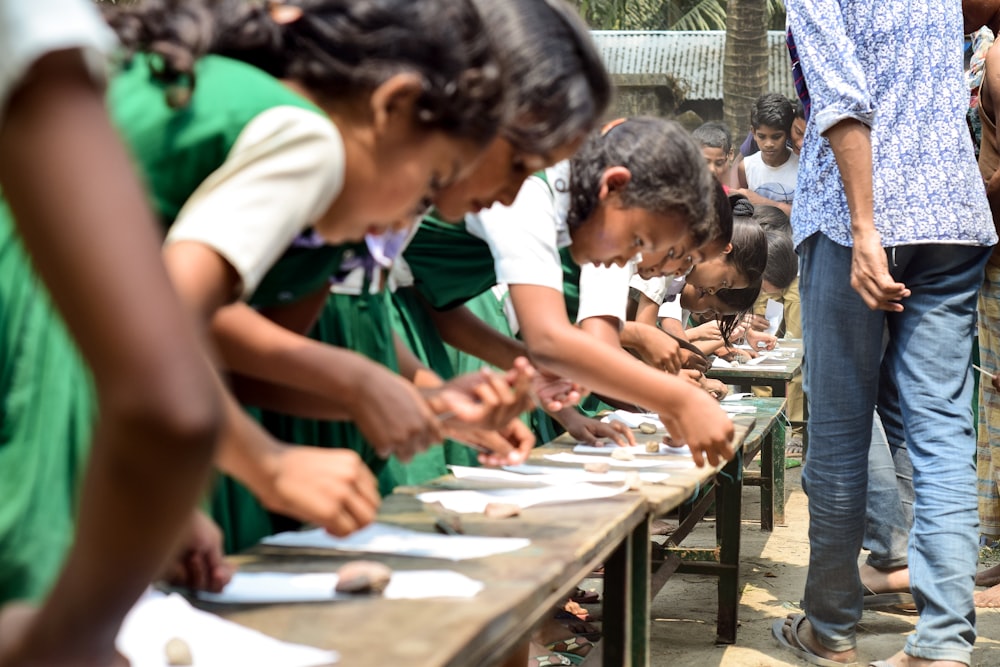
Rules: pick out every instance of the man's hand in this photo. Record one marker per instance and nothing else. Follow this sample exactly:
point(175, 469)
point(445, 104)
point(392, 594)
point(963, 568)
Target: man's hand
point(870, 274)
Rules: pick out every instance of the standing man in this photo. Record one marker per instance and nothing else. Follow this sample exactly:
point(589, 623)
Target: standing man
point(893, 228)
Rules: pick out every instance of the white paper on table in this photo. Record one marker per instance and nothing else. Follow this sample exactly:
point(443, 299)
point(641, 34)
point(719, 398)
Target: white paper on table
point(383, 538)
point(214, 642)
point(633, 419)
point(735, 409)
point(774, 312)
point(283, 587)
point(719, 362)
point(637, 450)
point(468, 501)
point(554, 475)
point(645, 462)
point(736, 397)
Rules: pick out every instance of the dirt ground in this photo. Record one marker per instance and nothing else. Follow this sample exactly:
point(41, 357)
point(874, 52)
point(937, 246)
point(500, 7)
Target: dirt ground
point(773, 569)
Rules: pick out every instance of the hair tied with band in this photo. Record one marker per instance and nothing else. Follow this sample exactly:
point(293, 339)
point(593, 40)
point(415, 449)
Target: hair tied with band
point(282, 13)
point(610, 125)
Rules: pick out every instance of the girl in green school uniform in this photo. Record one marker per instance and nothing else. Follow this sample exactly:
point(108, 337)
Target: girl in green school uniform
point(559, 88)
point(284, 138)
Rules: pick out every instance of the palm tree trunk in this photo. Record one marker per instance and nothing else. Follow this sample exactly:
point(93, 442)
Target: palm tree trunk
point(744, 75)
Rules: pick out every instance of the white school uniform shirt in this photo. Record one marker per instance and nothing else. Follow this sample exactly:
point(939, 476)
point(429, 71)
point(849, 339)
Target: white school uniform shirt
point(31, 29)
point(525, 239)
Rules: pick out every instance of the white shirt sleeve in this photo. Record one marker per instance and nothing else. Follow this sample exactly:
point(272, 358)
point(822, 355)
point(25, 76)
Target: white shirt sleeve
point(655, 289)
point(604, 291)
point(523, 237)
point(280, 176)
point(672, 310)
point(29, 30)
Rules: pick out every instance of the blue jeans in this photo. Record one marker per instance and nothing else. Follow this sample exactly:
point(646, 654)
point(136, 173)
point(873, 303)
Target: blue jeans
point(927, 358)
point(890, 484)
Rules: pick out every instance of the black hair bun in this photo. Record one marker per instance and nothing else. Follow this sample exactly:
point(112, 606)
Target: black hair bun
point(741, 205)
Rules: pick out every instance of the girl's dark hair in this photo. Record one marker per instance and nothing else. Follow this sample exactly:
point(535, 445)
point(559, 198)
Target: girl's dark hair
point(669, 174)
point(749, 252)
point(741, 300)
point(552, 72)
point(772, 217)
point(334, 48)
point(782, 262)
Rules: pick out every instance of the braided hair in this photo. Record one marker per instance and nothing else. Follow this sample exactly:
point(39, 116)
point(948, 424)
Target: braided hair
point(333, 48)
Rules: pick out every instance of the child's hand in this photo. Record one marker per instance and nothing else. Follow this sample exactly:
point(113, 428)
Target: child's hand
point(19, 647)
point(331, 488)
point(700, 423)
point(693, 361)
point(755, 338)
point(555, 393)
point(708, 331)
point(199, 563)
point(756, 322)
point(393, 417)
point(660, 350)
point(594, 432)
point(715, 388)
point(509, 445)
point(484, 399)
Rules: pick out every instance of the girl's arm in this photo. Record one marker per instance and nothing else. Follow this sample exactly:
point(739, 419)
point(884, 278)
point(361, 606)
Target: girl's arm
point(556, 344)
point(85, 221)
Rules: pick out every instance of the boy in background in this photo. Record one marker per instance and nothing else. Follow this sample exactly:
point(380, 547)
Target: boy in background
point(768, 176)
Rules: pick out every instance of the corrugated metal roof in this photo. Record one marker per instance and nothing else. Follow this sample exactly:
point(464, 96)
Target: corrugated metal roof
point(696, 57)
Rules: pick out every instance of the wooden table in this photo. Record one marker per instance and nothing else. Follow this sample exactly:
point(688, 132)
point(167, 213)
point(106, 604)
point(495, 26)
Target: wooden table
point(745, 376)
point(648, 577)
point(522, 587)
point(768, 438)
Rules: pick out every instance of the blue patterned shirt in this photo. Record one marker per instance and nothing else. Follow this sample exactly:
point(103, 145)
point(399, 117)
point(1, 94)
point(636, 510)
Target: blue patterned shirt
point(897, 66)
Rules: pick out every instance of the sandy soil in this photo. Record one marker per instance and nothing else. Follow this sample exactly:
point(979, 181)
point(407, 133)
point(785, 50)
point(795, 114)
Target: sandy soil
point(773, 568)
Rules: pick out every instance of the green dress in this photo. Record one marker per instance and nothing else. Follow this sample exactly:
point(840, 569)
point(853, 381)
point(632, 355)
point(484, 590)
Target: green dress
point(48, 402)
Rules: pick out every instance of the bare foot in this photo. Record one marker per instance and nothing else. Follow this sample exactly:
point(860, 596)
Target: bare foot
point(990, 577)
point(903, 660)
point(885, 581)
point(989, 598)
point(808, 639)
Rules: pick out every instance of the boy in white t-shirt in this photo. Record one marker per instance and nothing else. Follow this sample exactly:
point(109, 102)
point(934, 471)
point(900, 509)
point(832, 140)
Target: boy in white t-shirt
point(768, 176)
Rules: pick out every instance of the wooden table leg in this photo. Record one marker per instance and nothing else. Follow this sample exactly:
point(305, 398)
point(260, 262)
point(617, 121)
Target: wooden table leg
point(616, 629)
point(641, 571)
point(729, 510)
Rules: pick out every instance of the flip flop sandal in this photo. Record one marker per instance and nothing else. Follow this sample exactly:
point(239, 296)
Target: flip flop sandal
point(585, 597)
point(575, 649)
point(550, 660)
point(897, 601)
point(578, 627)
point(801, 651)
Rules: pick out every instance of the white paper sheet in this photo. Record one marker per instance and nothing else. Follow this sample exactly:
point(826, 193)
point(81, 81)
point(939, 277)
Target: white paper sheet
point(644, 462)
point(637, 450)
point(282, 587)
point(633, 419)
point(719, 362)
point(467, 501)
point(386, 539)
point(737, 409)
point(214, 641)
point(551, 475)
point(774, 312)
point(736, 397)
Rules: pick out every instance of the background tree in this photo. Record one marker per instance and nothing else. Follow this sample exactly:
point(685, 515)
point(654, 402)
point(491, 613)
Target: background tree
point(744, 72)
